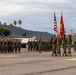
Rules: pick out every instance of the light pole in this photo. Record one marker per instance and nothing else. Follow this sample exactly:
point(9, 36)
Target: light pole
point(71, 32)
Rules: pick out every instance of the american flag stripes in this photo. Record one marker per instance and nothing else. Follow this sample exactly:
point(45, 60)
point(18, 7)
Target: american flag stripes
point(55, 24)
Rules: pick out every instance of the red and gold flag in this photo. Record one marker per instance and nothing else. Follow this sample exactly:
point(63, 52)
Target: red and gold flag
point(62, 29)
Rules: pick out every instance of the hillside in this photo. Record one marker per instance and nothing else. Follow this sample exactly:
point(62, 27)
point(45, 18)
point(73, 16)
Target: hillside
point(17, 32)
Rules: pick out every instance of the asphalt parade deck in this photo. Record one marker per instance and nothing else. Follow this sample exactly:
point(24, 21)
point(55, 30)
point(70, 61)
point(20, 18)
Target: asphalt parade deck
point(34, 63)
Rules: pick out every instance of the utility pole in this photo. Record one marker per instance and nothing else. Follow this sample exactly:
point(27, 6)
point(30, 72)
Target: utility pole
point(71, 32)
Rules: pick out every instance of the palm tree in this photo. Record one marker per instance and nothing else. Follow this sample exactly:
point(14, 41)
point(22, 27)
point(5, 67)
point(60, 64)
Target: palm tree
point(20, 22)
point(11, 25)
point(4, 25)
point(15, 23)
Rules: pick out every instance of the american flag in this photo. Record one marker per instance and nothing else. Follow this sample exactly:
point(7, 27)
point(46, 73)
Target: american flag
point(55, 24)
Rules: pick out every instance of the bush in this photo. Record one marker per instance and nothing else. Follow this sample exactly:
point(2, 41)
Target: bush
point(23, 45)
point(4, 31)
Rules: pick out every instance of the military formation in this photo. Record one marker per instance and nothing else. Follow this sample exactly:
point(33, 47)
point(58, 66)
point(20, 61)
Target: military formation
point(10, 45)
point(54, 45)
point(39, 45)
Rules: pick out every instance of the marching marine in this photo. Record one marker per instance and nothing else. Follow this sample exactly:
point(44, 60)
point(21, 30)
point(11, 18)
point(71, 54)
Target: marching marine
point(64, 42)
point(54, 43)
point(19, 45)
point(59, 42)
point(69, 44)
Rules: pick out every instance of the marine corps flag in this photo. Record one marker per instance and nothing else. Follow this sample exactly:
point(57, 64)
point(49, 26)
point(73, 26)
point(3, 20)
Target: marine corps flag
point(62, 30)
point(55, 25)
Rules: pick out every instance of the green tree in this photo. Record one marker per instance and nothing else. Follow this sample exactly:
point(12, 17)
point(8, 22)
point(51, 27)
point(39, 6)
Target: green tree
point(20, 22)
point(5, 32)
point(15, 23)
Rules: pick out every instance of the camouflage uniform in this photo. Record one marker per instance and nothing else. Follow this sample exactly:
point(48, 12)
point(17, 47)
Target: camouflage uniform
point(5, 47)
point(37, 45)
point(59, 42)
point(19, 46)
point(29, 47)
point(54, 43)
point(40, 45)
point(75, 45)
point(12, 45)
point(33, 45)
point(64, 41)
point(9, 45)
point(1, 45)
point(16, 45)
point(69, 44)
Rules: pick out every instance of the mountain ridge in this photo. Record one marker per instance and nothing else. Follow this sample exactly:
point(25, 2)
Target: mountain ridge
point(17, 32)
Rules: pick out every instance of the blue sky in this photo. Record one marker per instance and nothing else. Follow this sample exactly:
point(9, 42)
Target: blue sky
point(38, 15)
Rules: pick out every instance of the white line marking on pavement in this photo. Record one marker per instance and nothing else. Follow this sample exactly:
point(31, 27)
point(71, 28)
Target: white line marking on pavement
point(71, 59)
